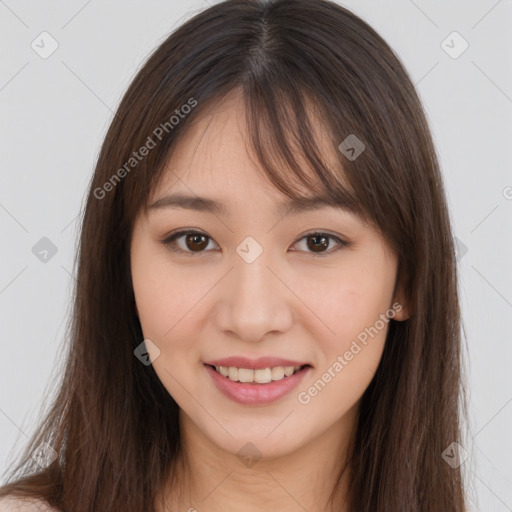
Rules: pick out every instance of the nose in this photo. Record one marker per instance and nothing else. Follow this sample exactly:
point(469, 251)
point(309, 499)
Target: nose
point(254, 301)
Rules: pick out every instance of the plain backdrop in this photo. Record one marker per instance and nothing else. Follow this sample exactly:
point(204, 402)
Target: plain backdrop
point(54, 113)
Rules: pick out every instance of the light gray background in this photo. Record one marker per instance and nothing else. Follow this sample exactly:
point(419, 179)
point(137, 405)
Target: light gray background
point(54, 113)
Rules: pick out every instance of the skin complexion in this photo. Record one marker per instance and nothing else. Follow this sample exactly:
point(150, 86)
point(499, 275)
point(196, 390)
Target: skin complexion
point(321, 278)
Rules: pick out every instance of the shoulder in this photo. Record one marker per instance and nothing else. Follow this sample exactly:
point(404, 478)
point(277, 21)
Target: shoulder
point(15, 504)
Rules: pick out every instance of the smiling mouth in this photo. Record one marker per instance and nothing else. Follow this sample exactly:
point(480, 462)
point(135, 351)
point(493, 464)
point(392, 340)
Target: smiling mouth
point(260, 376)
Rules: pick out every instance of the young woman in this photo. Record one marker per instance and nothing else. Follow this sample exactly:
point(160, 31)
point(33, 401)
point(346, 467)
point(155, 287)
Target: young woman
point(266, 312)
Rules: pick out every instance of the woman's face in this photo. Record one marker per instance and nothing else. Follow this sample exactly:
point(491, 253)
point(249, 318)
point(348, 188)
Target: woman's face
point(256, 282)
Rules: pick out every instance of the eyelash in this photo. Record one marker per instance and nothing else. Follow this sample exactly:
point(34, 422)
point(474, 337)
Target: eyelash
point(168, 242)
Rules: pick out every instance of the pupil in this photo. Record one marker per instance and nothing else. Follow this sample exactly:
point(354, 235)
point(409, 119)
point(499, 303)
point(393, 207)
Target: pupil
point(194, 239)
point(323, 244)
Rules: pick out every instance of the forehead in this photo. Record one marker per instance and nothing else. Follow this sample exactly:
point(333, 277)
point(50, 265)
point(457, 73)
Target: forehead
point(215, 155)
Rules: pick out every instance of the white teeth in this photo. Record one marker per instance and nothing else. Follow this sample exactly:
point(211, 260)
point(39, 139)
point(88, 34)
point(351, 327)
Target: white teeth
point(288, 370)
point(245, 375)
point(233, 373)
point(261, 376)
point(277, 373)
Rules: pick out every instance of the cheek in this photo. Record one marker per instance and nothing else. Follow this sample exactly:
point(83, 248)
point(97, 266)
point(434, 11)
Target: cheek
point(350, 300)
point(160, 295)
point(169, 302)
point(155, 301)
point(352, 309)
point(166, 307)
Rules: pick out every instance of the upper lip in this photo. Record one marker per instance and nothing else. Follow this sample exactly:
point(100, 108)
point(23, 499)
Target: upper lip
point(255, 364)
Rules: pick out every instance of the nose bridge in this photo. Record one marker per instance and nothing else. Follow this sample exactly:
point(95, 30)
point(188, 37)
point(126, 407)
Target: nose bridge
point(253, 278)
point(255, 302)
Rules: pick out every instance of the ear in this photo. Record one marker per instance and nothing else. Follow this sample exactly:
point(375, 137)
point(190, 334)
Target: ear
point(400, 303)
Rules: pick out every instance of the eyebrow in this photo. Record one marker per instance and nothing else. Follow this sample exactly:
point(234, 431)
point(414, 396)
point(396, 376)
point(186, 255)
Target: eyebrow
point(205, 204)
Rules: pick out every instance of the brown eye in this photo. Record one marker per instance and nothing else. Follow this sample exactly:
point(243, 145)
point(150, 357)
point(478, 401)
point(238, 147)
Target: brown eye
point(321, 244)
point(318, 243)
point(196, 242)
point(190, 243)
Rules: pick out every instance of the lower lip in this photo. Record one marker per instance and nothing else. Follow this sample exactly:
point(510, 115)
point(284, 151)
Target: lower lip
point(254, 393)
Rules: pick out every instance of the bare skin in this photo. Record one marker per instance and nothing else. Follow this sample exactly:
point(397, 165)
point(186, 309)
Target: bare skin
point(290, 302)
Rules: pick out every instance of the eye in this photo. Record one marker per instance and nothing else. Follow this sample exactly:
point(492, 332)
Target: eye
point(195, 242)
point(317, 243)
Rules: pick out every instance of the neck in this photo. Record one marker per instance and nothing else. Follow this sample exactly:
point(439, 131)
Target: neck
point(214, 480)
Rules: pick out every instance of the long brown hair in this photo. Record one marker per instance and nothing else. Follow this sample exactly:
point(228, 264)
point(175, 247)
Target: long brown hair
point(112, 423)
